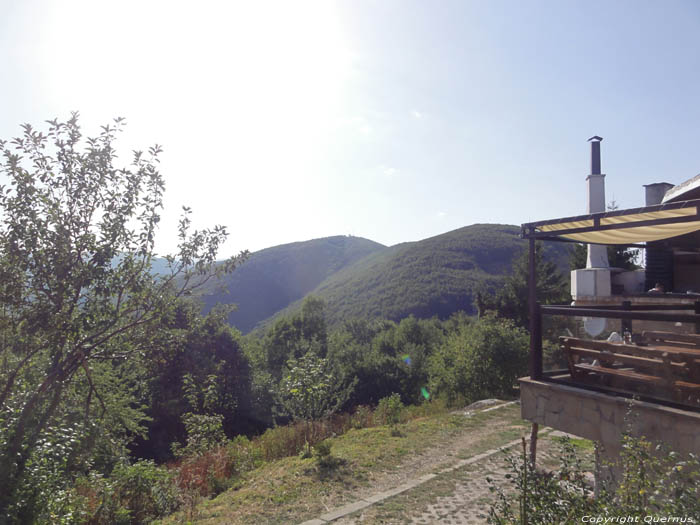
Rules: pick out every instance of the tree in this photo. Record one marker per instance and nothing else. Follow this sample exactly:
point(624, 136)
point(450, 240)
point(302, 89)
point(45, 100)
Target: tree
point(201, 347)
point(479, 359)
point(76, 292)
point(511, 300)
point(310, 390)
point(618, 257)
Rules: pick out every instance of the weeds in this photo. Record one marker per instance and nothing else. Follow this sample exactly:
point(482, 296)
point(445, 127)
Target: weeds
point(655, 482)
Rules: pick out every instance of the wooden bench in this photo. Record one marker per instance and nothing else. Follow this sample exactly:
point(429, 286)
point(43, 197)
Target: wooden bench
point(672, 339)
point(637, 369)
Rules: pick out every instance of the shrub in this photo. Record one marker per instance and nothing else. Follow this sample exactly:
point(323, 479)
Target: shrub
point(389, 410)
point(427, 408)
point(543, 498)
point(133, 494)
point(362, 417)
point(655, 482)
point(310, 390)
point(324, 459)
point(204, 432)
point(479, 360)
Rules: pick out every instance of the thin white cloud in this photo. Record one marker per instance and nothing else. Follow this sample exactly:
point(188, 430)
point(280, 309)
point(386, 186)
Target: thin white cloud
point(417, 114)
point(441, 214)
point(388, 172)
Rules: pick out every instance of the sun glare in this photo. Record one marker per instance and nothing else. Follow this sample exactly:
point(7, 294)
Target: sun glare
point(242, 94)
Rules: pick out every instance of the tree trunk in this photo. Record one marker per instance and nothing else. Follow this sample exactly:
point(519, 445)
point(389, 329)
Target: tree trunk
point(533, 443)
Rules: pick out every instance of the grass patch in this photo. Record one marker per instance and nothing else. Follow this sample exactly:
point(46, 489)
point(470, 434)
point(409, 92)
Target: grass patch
point(292, 489)
point(580, 444)
point(466, 486)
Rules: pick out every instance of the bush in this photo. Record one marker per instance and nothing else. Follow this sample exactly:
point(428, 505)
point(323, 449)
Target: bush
point(204, 432)
point(310, 391)
point(133, 494)
point(362, 418)
point(389, 410)
point(655, 482)
point(479, 360)
point(543, 498)
point(425, 409)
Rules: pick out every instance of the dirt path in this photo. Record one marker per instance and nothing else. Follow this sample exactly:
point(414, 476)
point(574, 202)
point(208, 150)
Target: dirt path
point(459, 497)
point(446, 484)
point(464, 445)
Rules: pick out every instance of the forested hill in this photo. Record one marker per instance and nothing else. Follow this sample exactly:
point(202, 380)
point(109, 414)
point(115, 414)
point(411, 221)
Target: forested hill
point(436, 276)
point(275, 277)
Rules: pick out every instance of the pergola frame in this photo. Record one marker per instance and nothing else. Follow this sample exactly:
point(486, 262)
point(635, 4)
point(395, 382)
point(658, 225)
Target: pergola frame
point(532, 232)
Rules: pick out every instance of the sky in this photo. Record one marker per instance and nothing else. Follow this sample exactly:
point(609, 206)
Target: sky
point(390, 120)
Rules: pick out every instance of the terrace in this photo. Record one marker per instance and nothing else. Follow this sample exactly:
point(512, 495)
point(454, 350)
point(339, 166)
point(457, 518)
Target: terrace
point(619, 351)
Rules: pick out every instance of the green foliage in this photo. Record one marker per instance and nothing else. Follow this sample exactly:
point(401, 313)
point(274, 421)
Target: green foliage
point(291, 337)
point(204, 432)
point(389, 410)
point(385, 357)
point(322, 449)
point(197, 365)
point(479, 360)
point(511, 300)
point(310, 390)
point(656, 482)
point(296, 270)
point(618, 257)
point(324, 459)
point(80, 307)
point(435, 276)
point(543, 498)
point(362, 417)
point(134, 494)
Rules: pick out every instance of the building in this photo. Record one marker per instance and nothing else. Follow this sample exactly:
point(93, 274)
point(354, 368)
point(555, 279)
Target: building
point(651, 366)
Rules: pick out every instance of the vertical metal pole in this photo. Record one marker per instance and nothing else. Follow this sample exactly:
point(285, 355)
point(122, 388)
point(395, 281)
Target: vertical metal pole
point(697, 312)
point(535, 317)
point(626, 323)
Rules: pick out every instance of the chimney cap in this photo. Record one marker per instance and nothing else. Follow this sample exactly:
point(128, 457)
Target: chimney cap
point(596, 138)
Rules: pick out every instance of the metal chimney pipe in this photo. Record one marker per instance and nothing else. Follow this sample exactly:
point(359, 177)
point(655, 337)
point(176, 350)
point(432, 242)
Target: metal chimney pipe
point(597, 254)
point(595, 154)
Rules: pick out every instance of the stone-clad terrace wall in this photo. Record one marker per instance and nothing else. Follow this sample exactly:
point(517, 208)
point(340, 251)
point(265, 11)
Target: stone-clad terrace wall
point(603, 417)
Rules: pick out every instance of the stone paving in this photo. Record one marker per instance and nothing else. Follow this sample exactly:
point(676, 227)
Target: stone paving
point(471, 499)
point(455, 495)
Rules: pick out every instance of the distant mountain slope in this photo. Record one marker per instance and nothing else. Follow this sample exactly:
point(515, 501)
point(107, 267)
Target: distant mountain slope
point(275, 277)
point(435, 276)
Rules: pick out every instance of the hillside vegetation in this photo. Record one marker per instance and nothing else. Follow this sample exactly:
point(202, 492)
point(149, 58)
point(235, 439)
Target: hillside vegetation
point(435, 276)
point(275, 277)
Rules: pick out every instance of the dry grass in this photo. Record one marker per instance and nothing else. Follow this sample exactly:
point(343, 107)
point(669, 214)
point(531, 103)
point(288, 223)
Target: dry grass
point(291, 489)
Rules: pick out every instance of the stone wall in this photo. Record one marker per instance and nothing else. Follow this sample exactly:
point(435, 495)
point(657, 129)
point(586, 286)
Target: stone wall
point(602, 418)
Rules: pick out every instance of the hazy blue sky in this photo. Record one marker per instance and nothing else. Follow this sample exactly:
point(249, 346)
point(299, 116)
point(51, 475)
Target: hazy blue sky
point(392, 120)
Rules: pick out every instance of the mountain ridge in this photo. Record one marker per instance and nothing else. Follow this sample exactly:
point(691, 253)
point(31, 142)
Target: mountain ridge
point(274, 277)
point(434, 276)
point(360, 278)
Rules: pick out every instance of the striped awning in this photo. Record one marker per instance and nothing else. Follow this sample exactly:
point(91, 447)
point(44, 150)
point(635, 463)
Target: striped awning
point(633, 226)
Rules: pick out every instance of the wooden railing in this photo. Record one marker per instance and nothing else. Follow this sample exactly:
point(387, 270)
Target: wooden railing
point(663, 365)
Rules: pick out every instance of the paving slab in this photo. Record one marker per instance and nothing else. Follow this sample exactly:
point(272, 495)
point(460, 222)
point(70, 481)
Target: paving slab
point(345, 509)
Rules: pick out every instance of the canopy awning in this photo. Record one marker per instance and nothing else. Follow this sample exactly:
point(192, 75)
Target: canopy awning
point(621, 227)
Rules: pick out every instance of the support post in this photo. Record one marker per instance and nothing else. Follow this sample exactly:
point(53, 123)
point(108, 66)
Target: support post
point(697, 312)
point(535, 317)
point(533, 443)
point(626, 323)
